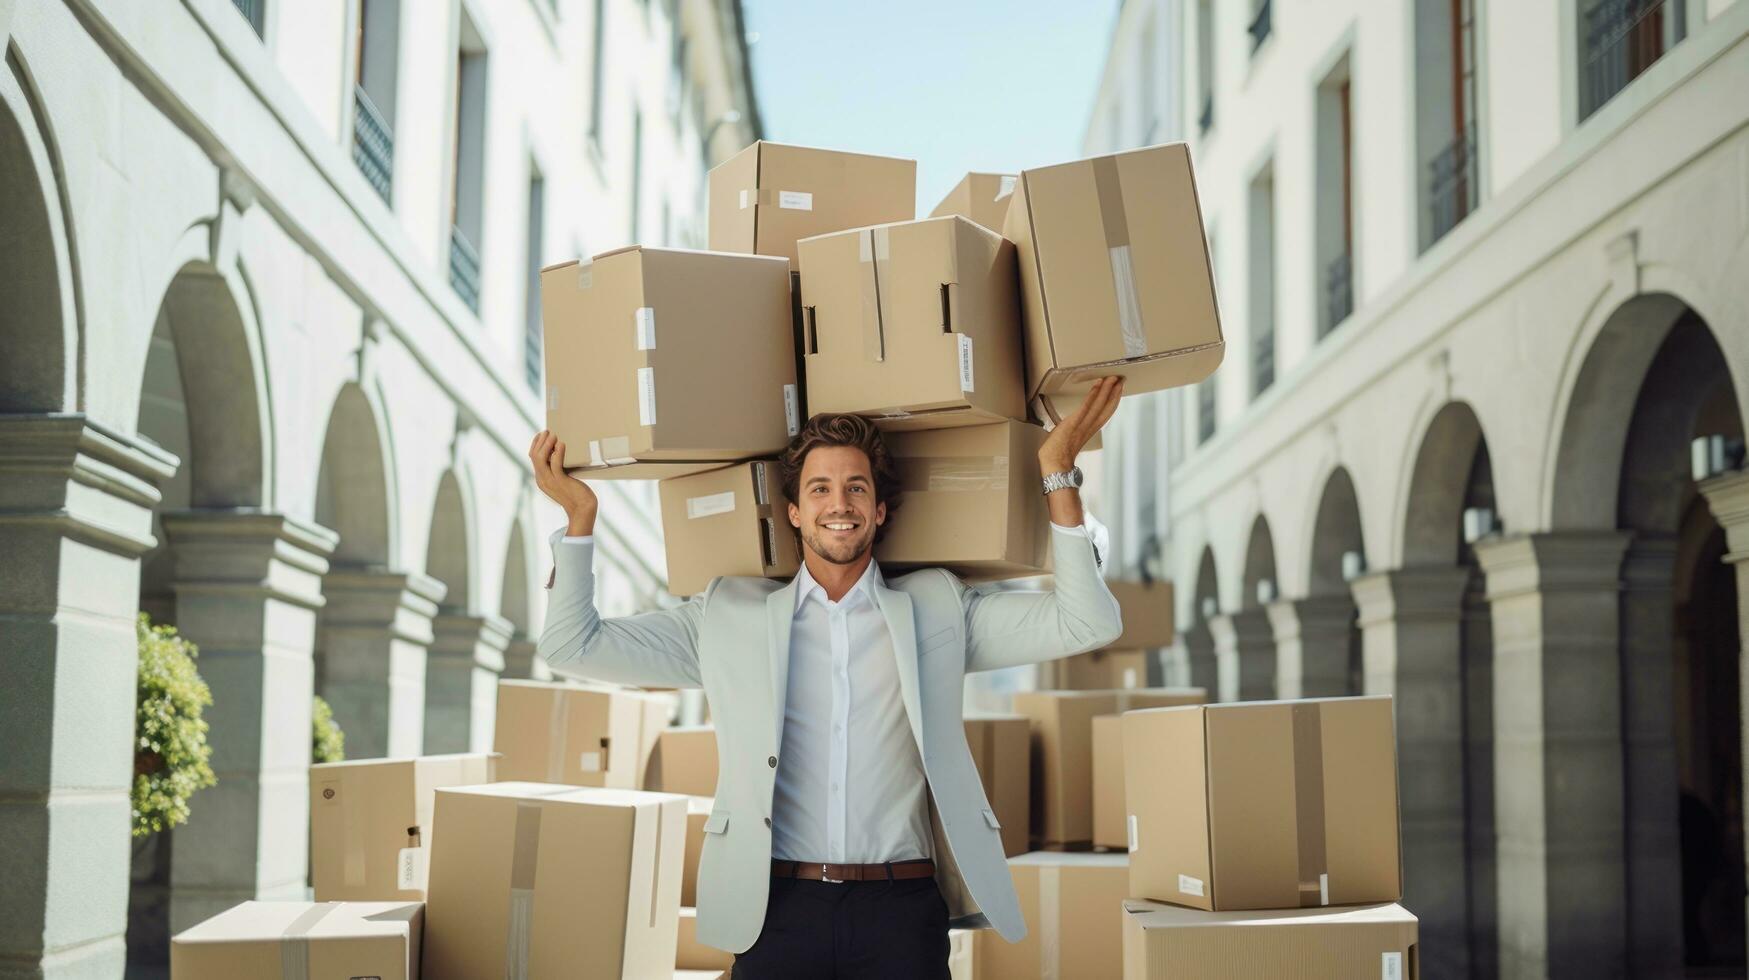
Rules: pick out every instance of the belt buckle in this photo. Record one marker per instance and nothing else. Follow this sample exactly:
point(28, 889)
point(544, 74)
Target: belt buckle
point(835, 881)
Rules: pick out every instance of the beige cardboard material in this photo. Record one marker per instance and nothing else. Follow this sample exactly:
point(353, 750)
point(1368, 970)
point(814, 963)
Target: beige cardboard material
point(643, 346)
point(694, 955)
point(1147, 614)
point(972, 501)
point(698, 810)
point(1264, 804)
point(1073, 907)
point(1163, 942)
point(568, 733)
point(1108, 807)
point(302, 941)
point(656, 711)
point(701, 975)
point(1001, 749)
point(981, 197)
point(1062, 752)
point(370, 823)
point(770, 195)
point(544, 881)
point(1115, 276)
point(962, 954)
point(1098, 670)
point(685, 761)
point(915, 324)
point(731, 521)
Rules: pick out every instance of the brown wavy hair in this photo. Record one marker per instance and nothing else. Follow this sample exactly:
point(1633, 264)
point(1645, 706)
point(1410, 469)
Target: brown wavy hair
point(828, 429)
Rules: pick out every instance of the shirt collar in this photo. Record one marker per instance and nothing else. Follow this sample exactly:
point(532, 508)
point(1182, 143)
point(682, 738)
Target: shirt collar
point(805, 585)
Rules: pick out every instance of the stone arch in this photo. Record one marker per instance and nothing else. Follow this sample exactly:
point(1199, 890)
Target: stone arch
point(1199, 642)
point(1336, 529)
point(1207, 586)
point(1259, 563)
point(354, 486)
point(39, 321)
point(1438, 485)
point(448, 553)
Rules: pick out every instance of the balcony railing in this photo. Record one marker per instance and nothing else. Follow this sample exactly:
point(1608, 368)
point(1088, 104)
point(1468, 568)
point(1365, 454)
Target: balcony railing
point(531, 352)
point(373, 143)
point(1622, 38)
point(251, 11)
point(1207, 116)
point(1262, 362)
point(1338, 291)
point(464, 268)
point(1260, 25)
point(1205, 411)
point(1451, 185)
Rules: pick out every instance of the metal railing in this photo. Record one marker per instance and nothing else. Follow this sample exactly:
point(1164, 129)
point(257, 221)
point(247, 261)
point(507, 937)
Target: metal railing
point(531, 352)
point(1260, 25)
point(1262, 362)
point(373, 143)
point(1451, 185)
point(1338, 290)
point(1622, 38)
point(1207, 117)
point(251, 11)
point(1205, 411)
point(464, 268)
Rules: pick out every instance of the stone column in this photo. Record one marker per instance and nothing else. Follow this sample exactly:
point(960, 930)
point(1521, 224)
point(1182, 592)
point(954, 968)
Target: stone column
point(1412, 648)
point(1311, 646)
point(1244, 655)
point(76, 505)
point(248, 587)
point(375, 636)
point(521, 661)
point(1199, 656)
point(1558, 772)
point(1728, 497)
point(461, 682)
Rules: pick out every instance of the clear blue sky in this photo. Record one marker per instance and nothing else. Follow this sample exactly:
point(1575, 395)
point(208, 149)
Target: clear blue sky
point(957, 85)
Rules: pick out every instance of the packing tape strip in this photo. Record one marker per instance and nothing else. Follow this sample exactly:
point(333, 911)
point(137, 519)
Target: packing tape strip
point(558, 732)
point(873, 249)
point(1050, 936)
point(523, 854)
point(1004, 187)
point(1309, 824)
point(1117, 243)
point(953, 473)
point(294, 942)
point(647, 833)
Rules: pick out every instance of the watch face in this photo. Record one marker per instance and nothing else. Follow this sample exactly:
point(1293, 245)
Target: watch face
point(1075, 476)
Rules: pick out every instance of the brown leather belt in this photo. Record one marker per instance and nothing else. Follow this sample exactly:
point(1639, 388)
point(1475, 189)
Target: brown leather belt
point(889, 871)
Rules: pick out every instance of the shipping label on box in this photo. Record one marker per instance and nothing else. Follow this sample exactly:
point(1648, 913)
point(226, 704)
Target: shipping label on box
point(730, 521)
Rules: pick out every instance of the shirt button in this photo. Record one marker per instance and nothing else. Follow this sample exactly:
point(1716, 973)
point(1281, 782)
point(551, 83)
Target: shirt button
point(772, 762)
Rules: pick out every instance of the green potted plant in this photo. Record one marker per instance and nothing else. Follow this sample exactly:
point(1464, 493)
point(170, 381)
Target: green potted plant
point(171, 754)
point(328, 742)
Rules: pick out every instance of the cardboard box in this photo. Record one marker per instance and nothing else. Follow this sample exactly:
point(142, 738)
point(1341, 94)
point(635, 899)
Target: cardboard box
point(1073, 904)
point(556, 881)
point(701, 975)
point(915, 324)
point(971, 501)
point(1163, 942)
point(1114, 275)
point(694, 955)
point(646, 347)
point(981, 197)
point(731, 521)
point(770, 195)
point(962, 957)
point(698, 810)
point(655, 713)
point(1001, 749)
point(685, 761)
point(1264, 804)
point(259, 940)
point(1062, 752)
point(1098, 670)
point(1108, 809)
point(569, 733)
point(1147, 614)
point(370, 823)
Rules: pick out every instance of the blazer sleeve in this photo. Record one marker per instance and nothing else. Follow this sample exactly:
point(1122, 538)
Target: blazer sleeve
point(1015, 627)
point(651, 649)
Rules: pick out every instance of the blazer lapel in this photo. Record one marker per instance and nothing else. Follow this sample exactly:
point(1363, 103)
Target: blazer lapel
point(780, 608)
point(896, 610)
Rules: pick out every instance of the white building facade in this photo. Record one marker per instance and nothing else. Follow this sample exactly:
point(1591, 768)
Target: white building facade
point(1478, 439)
point(269, 368)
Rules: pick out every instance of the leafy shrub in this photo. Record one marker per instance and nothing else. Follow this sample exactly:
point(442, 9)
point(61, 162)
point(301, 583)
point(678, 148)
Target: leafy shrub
point(171, 755)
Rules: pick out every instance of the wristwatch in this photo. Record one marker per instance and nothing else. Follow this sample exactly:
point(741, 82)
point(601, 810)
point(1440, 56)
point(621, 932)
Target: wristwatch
point(1063, 481)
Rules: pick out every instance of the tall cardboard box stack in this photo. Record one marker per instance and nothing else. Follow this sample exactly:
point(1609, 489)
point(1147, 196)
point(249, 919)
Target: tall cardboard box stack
point(1262, 819)
point(576, 734)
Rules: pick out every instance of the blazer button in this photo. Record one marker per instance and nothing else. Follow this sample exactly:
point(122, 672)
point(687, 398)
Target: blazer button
point(772, 762)
point(768, 821)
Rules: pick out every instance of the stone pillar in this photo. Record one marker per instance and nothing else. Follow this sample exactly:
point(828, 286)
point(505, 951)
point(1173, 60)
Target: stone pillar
point(461, 682)
point(248, 587)
point(1311, 646)
point(521, 661)
point(76, 505)
point(1558, 772)
point(1412, 643)
point(1199, 656)
point(1728, 497)
point(375, 636)
point(1244, 655)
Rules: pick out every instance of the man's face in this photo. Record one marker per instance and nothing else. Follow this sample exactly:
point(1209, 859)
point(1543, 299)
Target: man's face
point(837, 514)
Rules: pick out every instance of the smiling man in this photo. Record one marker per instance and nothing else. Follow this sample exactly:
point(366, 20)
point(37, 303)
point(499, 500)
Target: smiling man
point(850, 828)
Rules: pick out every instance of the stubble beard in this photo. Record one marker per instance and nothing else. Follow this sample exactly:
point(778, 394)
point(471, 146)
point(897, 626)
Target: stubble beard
point(839, 553)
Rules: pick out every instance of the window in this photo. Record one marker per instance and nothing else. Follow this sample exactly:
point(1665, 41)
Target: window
point(1261, 279)
point(597, 58)
point(1334, 182)
point(467, 191)
point(636, 205)
point(531, 352)
point(1619, 40)
point(376, 47)
point(1260, 24)
point(1445, 115)
point(1205, 64)
point(254, 12)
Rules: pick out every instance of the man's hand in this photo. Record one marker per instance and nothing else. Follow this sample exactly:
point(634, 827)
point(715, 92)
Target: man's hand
point(547, 454)
point(1064, 443)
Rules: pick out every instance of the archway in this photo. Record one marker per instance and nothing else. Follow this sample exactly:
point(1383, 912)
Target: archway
point(37, 328)
point(520, 659)
point(1246, 632)
point(1338, 553)
point(467, 648)
point(1199, 644)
